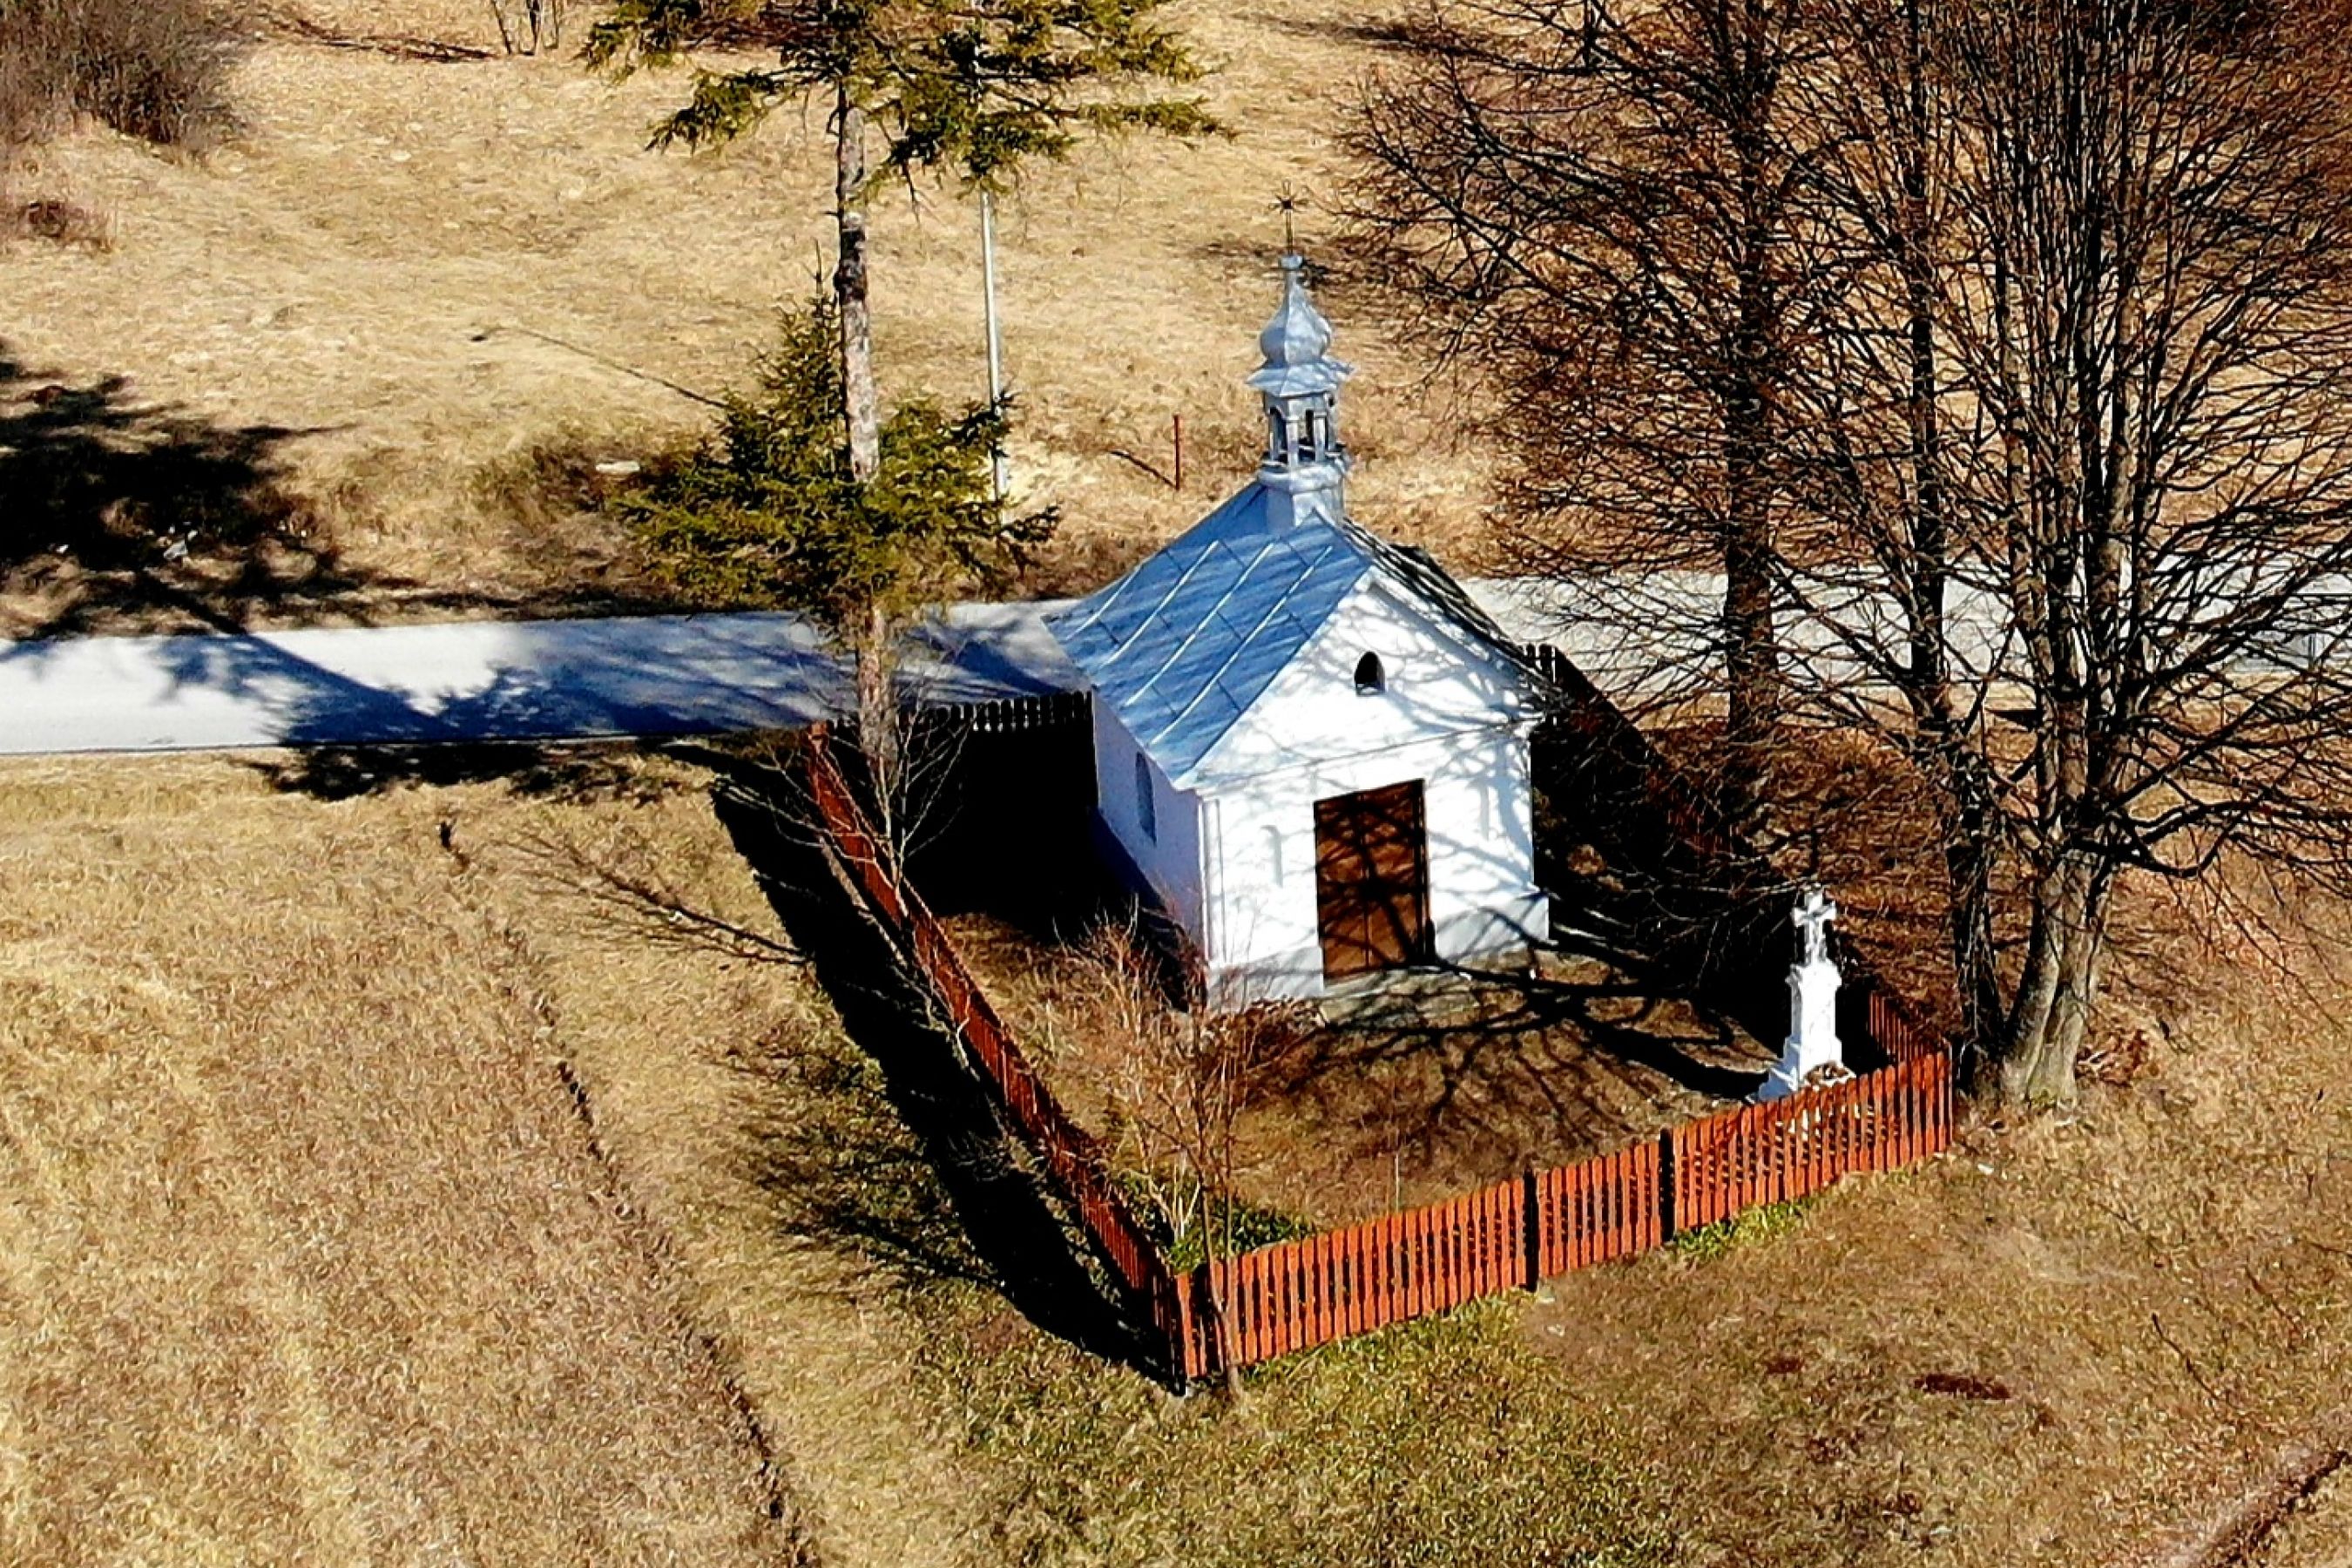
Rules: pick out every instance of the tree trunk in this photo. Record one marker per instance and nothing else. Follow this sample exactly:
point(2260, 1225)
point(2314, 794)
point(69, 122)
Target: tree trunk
point(1751, 647)
point(2060, 984)
point(1967, 875)
point(872, 653)
point(859, 400)
point(1751, 663)
point(870, 645)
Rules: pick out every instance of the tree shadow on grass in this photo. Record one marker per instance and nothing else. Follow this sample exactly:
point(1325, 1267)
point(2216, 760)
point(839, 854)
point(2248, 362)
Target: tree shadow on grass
point(115, 506)
point(863, 1193)
point(290, 24)
point(1477, 1071)
point(844, 1174)
point(122, 514)
point(575, 771)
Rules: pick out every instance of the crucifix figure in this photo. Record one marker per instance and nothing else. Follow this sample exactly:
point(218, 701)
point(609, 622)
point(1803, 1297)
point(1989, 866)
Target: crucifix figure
point(1815, 910)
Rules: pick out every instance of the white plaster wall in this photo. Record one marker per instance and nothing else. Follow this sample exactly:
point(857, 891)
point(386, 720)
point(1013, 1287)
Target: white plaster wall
point(1264, 937)
point(1171, 860)
point(1452, 716)
point(1440, 681)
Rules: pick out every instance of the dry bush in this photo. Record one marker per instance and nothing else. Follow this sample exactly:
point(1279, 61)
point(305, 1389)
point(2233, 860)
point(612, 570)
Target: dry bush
point(156, 69)
point(60, 222)
point(1177, 1082)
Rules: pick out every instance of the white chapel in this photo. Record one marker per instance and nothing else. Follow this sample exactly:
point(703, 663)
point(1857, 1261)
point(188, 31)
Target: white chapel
point(1310, 745)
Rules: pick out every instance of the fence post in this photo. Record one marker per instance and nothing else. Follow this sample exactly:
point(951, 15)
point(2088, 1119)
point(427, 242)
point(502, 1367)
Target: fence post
point(1532, 1226)
point(1669, 1179)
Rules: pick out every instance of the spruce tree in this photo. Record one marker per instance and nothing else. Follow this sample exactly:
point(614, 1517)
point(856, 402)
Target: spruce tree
point(968, 90)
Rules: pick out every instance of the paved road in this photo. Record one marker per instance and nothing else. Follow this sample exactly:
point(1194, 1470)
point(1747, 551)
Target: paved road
point(478, 680)
point(673, 675)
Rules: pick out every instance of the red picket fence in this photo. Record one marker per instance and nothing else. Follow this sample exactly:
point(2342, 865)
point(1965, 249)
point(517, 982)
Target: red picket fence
point(1296, 1294)
point(1602, 1209)
point(1785, 1149)
point(1070, 1154)
point(1895, 1029)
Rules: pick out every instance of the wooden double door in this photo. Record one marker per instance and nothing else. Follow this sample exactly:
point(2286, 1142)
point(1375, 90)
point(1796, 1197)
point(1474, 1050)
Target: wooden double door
point(1371, 880)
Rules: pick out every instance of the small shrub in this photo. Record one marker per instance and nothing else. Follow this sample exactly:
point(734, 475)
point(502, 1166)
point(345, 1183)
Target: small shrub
point(63, 223)
point(156, 69)
point(548, 482)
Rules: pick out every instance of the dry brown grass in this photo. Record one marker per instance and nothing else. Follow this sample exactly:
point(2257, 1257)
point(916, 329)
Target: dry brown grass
point(1407, 1098)
point(2151, 1291)
point(303, 1255)
point(2064, 1343)
point(427, 266)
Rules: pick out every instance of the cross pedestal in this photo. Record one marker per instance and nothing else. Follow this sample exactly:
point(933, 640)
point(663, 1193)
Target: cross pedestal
point(1812, 1043)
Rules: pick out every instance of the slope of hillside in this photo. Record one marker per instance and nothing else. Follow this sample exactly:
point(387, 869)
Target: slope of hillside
point(420, 290)
point(304, 1256)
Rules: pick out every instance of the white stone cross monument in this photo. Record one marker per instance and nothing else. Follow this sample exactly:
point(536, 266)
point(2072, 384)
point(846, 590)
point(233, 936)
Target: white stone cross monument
point(1812, 1042)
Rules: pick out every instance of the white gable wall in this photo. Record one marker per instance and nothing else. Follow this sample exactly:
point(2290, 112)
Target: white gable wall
point(1440, 681)
point(1452, 715)
point(1232, 860)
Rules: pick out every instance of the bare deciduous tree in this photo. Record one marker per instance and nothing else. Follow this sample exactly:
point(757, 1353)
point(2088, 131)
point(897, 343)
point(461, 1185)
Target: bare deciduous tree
point(1601, 212)
point(2056, 438)
point(1178, 1082)
point(2116, 506)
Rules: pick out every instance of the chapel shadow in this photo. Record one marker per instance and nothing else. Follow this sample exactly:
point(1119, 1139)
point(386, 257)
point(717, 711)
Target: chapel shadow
point(1006, 828)
point(1019, 1241)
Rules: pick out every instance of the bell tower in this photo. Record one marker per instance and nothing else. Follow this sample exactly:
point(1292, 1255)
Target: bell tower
point(1306, 464)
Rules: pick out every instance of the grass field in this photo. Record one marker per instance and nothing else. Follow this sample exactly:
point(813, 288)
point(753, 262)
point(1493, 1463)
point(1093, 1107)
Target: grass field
point(389, 320)
point(305, 1253)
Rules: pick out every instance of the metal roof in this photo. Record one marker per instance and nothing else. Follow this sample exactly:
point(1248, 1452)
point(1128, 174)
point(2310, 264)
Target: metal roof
point(1184, 645)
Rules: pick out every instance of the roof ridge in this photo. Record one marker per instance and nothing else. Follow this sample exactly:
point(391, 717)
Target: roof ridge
point(1412, 570)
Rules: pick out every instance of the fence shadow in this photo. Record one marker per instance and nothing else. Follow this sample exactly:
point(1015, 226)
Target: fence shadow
point(842, 1171)
point(1020, 1241)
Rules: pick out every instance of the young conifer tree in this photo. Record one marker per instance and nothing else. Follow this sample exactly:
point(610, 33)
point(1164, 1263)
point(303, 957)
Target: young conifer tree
point(965, 89)
point(769, 510)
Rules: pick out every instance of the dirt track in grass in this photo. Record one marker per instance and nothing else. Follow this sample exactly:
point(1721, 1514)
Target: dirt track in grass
point(304, 1256)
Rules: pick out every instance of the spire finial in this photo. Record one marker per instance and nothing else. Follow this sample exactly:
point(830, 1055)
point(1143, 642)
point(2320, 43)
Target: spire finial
point(1286, 202)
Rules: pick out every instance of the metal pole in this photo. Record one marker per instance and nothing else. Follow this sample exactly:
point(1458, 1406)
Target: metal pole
point(995, 343)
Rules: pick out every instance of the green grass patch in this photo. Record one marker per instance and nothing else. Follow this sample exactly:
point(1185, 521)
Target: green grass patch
point(1241, 1225)
point(1708, 1242)
point(1441, 1442)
